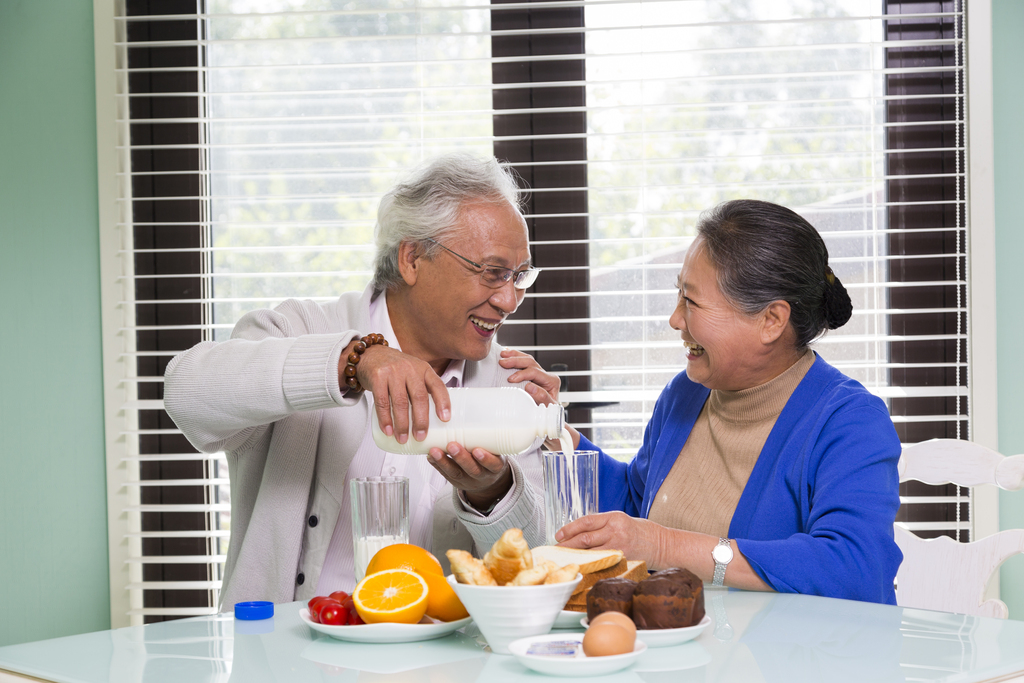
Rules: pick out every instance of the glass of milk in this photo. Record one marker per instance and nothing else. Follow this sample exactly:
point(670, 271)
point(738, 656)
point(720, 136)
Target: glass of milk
point(380, 516)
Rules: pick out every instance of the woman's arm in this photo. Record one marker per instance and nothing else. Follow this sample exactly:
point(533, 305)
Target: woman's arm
point(659, 546)
point(841, 542)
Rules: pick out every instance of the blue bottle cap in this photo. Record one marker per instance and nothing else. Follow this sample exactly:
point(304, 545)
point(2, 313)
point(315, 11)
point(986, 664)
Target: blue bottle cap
point(253, 611)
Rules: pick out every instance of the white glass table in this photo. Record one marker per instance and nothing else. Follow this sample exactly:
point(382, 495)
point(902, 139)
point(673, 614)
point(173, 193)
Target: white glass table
point(753, 637)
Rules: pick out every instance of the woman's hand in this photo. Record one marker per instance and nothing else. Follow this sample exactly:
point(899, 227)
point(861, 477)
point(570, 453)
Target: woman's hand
point(540, 384)
point(638, 539)
point(398, 381)
point(484, 477)
point(660, 547)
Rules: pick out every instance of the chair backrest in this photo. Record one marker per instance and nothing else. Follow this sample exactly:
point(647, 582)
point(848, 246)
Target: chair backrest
point(939, 573)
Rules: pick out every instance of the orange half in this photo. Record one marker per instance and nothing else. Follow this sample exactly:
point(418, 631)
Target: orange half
point(396, 596)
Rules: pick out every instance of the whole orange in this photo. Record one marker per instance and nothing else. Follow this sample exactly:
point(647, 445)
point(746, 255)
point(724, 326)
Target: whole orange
point(442, 602)
point(404, 556)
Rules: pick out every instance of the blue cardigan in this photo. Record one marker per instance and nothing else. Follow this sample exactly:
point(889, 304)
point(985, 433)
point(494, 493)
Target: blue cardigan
point(817, 513)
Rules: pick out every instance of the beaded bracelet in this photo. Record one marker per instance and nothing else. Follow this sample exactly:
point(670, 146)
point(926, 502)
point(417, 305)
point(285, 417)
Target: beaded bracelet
point(353, 358)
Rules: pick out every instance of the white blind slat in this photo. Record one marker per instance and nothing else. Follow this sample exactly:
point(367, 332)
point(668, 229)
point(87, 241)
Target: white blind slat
point(178, 482)
point(179, 559)
point(171, 611)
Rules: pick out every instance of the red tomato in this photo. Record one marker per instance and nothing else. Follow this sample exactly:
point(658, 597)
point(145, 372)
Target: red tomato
point(331, 613)
point(315, 615)
point(349, 604)
point(354, 619)
point(339, 596)
point(313, 604)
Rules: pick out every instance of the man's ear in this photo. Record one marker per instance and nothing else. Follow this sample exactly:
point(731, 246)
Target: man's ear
point(409, 256)
point(774, 321)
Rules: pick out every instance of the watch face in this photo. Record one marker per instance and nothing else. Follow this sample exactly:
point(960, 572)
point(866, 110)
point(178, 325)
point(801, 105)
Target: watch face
point(722, 554)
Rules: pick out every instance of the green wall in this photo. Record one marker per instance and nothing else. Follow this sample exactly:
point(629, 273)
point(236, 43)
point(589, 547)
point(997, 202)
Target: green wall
point(1008, 86)
point(53, 536)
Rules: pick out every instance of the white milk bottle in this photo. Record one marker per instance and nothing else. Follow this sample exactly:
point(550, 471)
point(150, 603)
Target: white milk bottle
point(502, 420)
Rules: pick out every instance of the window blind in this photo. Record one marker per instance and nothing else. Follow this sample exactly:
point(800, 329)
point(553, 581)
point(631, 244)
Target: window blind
point(257, 138)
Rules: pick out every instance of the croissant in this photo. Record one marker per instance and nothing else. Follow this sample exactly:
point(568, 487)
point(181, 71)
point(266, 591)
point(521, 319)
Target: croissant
point(508, 556)
point(562, 574)
point(533, 576)
point(469, 570)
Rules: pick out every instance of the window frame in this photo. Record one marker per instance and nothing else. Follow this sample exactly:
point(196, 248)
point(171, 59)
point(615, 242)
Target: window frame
point(121, 404)
point(981, 262)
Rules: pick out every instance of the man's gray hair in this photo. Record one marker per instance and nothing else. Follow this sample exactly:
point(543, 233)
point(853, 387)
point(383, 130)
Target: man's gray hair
point(426, 206)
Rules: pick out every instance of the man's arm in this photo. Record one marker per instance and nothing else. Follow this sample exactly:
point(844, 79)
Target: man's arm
point(221, 394)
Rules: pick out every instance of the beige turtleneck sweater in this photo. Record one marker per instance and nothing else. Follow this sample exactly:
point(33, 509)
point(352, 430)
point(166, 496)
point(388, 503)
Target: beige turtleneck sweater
point(704, 486)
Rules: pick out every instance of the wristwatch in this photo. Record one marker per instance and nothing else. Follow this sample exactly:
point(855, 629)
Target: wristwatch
point(722, 555)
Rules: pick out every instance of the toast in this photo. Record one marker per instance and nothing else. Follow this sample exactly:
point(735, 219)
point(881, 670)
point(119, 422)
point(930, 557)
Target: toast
point(632, 569)
point(589, 560)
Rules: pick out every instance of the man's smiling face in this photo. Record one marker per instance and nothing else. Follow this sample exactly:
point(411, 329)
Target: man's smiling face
point(456, 316)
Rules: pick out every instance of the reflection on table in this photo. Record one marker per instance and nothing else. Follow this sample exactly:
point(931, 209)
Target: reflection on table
point(753, 637)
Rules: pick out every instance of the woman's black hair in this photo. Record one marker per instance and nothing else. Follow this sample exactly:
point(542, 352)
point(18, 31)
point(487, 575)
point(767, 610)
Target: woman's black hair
point(764, 252)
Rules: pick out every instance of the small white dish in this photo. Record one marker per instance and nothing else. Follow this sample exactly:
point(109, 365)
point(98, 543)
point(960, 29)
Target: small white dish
point(568, 619)
point(386, 633)
point(665, 637)
point(577, 665)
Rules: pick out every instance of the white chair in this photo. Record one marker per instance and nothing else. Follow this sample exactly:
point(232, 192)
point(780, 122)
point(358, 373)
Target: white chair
point(939, 573)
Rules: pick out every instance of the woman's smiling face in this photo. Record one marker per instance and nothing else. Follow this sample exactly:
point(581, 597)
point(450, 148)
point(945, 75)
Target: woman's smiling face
point(725, 347)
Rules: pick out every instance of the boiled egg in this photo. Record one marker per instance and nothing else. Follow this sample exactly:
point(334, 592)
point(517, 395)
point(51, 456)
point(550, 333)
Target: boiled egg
point(606, 639)
point(615, 618)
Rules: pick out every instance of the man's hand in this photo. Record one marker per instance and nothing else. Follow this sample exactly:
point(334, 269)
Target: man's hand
point(541, 385)
point(397, 381)
point(639, 539)
point(484, 477)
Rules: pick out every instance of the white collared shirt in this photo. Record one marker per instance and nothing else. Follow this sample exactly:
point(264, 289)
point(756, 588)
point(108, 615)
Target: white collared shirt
point(425, 483)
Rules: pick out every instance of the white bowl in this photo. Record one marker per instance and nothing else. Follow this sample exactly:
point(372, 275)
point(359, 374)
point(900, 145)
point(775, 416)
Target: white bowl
point(507, 613)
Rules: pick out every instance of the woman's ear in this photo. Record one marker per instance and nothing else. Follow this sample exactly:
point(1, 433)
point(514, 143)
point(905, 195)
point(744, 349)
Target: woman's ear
point(774, 321)
point(409, 255)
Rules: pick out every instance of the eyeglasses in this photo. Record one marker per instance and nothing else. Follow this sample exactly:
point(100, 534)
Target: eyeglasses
point(496, 276)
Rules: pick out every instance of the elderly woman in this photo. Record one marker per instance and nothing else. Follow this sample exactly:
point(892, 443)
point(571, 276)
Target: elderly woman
point(763, 467)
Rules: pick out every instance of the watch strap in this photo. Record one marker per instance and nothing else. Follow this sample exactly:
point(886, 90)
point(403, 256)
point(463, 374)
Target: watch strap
point(719, 577)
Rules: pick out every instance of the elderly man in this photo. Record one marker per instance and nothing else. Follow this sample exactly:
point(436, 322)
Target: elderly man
point(452, 263)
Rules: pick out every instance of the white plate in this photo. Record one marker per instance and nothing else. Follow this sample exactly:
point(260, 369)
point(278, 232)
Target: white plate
point(579, 665)
point(664, 637)
point(568, 619)
point(386, 633)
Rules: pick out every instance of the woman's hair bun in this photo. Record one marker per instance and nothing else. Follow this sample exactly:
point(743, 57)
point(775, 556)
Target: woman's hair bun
point(836, 303)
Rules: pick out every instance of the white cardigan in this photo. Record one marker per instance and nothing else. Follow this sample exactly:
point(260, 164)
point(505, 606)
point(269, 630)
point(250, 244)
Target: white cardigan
point(262, 397)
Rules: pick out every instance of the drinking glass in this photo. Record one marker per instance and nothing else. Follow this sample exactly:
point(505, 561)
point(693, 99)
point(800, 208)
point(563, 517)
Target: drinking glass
point(380, 516)
point(570, 488)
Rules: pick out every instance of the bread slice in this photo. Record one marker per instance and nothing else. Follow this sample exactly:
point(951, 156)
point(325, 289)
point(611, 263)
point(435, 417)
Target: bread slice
point(589, 560)
point(634, 570)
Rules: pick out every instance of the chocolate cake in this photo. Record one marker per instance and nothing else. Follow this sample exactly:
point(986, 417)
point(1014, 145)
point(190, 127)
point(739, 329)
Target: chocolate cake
point(671, 598)
point(611, 595)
